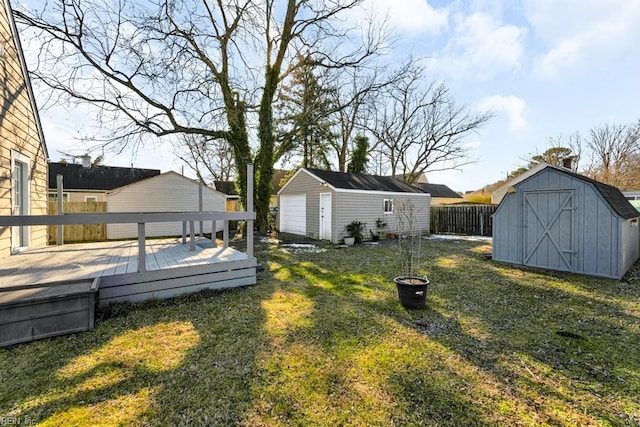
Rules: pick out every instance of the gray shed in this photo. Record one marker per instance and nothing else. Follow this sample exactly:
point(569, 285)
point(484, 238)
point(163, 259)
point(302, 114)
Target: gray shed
point(318, 203)
point(560, 220)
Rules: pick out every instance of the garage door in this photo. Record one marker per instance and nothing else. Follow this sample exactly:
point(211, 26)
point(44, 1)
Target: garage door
point(293, 214)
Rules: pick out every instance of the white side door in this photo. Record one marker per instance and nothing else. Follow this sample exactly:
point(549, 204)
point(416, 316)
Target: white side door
point(325, 216)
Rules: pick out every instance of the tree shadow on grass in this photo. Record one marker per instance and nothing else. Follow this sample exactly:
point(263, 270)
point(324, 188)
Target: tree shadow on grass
point(186, 361)
point(338, 357)
point(562, 348)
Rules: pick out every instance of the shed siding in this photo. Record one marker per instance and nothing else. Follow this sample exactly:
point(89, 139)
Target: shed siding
point(367, 207)
point(168, 192)
point(19, 134)
point(630, 249)
point(347, 206)
point(598, 234)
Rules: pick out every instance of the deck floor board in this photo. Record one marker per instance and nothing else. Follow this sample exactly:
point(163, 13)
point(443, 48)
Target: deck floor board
point(101, 259)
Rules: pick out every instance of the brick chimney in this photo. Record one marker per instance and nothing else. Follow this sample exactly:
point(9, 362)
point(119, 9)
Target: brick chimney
point(567, 163)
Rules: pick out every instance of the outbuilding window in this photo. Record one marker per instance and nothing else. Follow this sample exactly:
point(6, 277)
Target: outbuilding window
point(388, 206)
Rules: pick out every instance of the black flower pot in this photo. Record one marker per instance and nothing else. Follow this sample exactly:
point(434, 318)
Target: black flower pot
point(412, 291)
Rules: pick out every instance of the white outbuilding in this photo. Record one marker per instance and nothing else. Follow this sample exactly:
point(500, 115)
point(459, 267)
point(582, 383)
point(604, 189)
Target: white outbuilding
point(167, 192)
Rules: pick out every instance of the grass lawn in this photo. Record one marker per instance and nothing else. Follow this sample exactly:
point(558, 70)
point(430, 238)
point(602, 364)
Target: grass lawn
point(323, 340)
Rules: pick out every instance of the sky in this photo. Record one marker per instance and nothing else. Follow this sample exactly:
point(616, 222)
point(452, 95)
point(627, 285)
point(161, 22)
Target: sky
point(545, 68)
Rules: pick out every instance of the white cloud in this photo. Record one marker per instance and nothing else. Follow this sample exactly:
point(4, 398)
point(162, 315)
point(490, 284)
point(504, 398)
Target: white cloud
point(512, 106)
point(582, 31)
point(483, 46)
point(413, 16)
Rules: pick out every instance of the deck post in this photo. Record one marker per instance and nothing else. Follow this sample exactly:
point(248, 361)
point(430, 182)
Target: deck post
point(184, 232)
point(60, 228)
point(249, 230)
point(200, 207)
point(192, 232)
point(225, 234)
point(142, 258)
point(213, 233)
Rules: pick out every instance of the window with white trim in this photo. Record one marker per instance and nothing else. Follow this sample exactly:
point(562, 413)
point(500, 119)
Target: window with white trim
point(93, 199)
point(388, 206)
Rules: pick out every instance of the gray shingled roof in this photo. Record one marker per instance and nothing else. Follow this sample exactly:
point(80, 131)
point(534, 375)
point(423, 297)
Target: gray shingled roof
point(358, 181)
point(438, 190)
point(77, 177)
point(611, 194)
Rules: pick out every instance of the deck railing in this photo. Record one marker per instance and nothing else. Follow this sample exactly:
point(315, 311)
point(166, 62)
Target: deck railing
point(144, 218)
point(187, 218)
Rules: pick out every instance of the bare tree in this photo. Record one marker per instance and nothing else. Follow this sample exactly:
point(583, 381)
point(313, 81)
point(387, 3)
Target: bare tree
point(210, 159)
point(420, 128)
point(166, 68)
point(614, 150)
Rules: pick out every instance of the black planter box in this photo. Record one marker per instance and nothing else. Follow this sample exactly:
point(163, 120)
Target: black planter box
point(29, 313)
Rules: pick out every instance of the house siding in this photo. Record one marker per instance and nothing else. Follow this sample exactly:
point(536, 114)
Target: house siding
point(602, 240)
point(19, 135)
point(168, 192)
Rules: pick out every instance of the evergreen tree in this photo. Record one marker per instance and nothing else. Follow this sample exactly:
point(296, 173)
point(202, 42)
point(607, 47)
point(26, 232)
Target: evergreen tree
point(305, 124)
point(359, 155)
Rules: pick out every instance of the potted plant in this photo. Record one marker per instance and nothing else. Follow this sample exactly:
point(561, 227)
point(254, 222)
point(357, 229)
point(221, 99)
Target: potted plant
point(412, 289)
point(354, 230)
point(380, 225)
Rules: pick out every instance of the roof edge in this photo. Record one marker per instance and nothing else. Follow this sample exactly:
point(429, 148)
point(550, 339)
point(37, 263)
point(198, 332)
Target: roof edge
point(25, 74)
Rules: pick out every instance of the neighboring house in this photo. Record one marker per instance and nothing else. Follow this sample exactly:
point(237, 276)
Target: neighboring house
point(420, 178)
point(319, 204)
point(440, 193)
point(498, 195)
point(559, 220)
point(233, 199)
point(23, 153)
point(167, 192)
point(86, 182)
point(229, 189)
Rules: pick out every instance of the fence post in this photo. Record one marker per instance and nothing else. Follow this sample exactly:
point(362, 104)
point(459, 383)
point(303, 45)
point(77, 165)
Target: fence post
point(225, 234)
point(184, 232)
point(142, 256)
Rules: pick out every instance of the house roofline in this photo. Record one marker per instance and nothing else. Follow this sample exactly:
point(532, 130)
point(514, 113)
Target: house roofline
point(193, 181)
point(25, 74)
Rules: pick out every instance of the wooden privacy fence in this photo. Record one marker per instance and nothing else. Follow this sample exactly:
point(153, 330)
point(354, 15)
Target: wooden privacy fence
point(473, 220)
point(78, 233)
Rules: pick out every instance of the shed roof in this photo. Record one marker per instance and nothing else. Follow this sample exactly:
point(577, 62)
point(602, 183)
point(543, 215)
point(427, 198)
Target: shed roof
point(612, 195)
point(358, 181)
point(77, 177)
point(438, 190)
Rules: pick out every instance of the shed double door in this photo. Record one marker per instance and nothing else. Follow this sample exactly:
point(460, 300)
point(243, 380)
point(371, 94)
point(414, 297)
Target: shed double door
point(549, 229)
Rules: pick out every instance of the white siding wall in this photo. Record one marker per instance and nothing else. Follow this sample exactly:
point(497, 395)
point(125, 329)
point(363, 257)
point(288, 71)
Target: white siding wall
point(368, 206)
point(350, 205)
point(169, 192)
point(19, 136)
point(306, 184)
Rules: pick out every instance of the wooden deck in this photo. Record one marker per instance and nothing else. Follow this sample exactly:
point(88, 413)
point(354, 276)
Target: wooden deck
point(171, 268)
